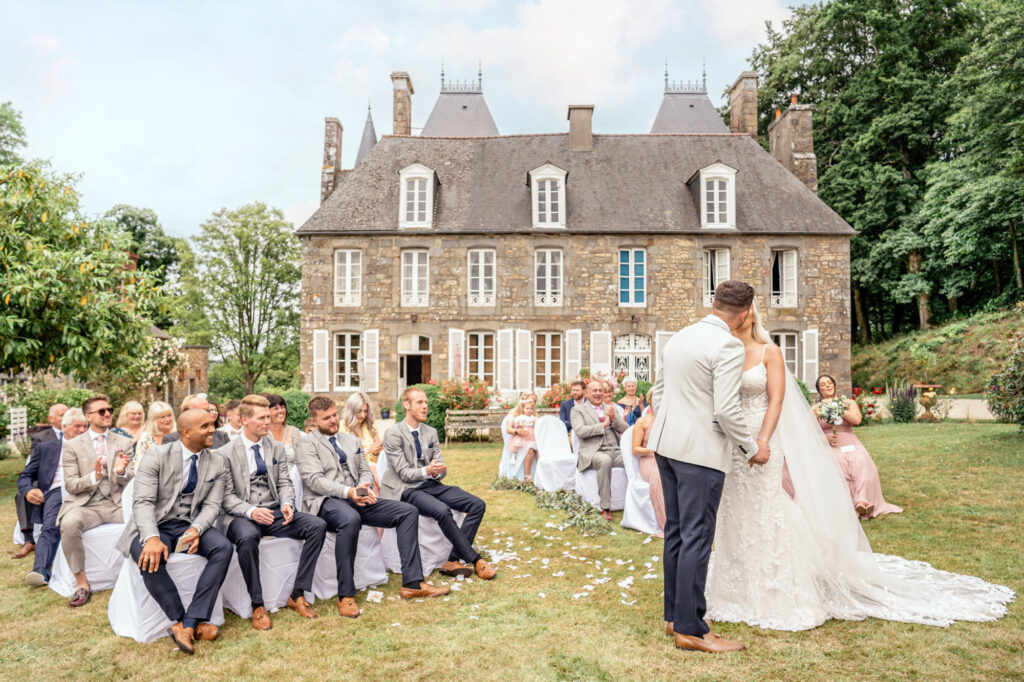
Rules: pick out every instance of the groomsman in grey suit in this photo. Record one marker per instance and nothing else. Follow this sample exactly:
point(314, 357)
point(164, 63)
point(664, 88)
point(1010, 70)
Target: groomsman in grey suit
point(259, 500)
point(95, 469)
point(338, 487)
point(179, 488)
point(698, 422)
point(414, 473)
point(598, 426)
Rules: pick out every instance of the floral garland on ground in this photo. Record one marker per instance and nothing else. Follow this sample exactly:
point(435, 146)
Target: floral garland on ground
point(582, 515)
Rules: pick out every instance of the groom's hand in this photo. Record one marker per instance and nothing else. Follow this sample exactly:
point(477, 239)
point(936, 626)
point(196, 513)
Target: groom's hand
point(763, 453)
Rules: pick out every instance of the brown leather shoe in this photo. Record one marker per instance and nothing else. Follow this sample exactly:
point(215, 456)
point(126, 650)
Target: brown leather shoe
point(302, 607)
point(484, 570)
point(206, 632)
point(347, 607)
point(424, 590)
point(24, 550)
point(454, 568)
point(261, 619)
point(709, 643)
point(182, 636)
point(80, 597)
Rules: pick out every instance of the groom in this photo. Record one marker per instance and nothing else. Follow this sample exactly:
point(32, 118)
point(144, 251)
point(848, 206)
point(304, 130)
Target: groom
point(698, 422)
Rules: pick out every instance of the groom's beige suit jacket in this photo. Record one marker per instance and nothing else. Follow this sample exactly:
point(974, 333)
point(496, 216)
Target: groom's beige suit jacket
point(698, 418)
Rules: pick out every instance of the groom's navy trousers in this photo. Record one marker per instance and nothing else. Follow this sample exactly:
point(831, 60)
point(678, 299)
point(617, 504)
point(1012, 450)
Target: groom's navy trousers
point(692, 494)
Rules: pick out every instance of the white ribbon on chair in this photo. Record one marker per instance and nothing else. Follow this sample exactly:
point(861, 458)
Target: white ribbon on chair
point(638, 512)
point(556, 462)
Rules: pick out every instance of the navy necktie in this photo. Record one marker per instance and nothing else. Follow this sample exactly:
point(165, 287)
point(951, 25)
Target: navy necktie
point(193, 476)
point(419, 448)
point(261, 466)
point(342, 457)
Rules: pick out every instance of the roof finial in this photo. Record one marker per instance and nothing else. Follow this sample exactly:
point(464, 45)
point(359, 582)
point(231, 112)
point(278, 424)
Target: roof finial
point(479, 73)
point(666, 73)
point(704, 73)
point(442, 73)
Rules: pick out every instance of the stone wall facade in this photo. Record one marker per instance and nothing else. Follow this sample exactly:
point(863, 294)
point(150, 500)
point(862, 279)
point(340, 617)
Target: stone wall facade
point(590, 292)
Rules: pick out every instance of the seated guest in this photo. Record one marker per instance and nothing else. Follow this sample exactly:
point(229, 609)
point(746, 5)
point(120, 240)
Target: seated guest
point(853, 458)
point(95, 470)
point(232, 422)
point(26, 510)
point(40, 483)
point(309, 426)
point(259, 500)
point(632, 404)
point(578, 388)
point(520, 424)
point(198, 401)
point(358, 421)
point(159, 424)
point(130, 421)
point(646, 465)
point(336, 486)
point(414, 473)
point(598, 427)
point(215, 414)
point(178, 493)
point(280, 430)
point(609, 399)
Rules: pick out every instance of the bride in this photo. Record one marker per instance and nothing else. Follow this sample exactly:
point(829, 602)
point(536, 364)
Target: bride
point(792, 565)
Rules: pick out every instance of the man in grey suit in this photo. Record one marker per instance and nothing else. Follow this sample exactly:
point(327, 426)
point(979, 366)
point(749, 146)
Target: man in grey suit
point(598, 427)
point(259, 500)
point(199, 402)
point(414, 473)
point(338, 487)
point(95, 469)
point(28, 512)
point(177, 499)
point(698, 422)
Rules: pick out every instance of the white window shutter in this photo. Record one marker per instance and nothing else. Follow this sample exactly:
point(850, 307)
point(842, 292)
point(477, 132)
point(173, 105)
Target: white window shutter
point(523, 360)
point(789, 276)
point(573, 354)
point(721, 265)
point(321, 361)
point(600, 353)
point(660, 339)
point(810, 343)
point(370, 379)
point(456, 353)
point(708, 282)
point(505, 360)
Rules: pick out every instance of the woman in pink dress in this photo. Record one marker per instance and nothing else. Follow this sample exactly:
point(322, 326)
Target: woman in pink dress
point(853, 458)
point(520, 425)
point(647, 466)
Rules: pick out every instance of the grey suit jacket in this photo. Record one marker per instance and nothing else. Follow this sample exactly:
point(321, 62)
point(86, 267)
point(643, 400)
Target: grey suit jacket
point(220, 439)
point(78, 457)
point(237, 479)
point(403, 470)
point(586, 424)
point(157, 486)
point(698, 418)
point(321, 471)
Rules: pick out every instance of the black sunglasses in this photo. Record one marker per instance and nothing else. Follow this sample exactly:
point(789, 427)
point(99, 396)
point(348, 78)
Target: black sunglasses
point(103, 411)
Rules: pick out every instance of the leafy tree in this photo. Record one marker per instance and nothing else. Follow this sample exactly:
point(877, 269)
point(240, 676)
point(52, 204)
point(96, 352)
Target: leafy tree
point(245, 275)
point(12, 134)
point(71, 299)
point(189, 307)
point(153, 250)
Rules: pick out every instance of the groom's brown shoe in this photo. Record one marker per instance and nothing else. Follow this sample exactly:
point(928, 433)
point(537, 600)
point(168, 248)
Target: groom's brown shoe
point(709, 643)
point(671, 631)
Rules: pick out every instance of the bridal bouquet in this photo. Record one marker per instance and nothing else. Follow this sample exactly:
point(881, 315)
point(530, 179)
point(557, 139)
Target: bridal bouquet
point(831, 411)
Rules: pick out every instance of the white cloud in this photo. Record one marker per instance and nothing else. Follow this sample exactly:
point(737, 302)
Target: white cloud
point(740, 21)
point(42, 43)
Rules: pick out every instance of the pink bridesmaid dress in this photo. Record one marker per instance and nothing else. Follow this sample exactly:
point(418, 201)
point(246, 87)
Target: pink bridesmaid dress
point(859, 469)
point(648, 469)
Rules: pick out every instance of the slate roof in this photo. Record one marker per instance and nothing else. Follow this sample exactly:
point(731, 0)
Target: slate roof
point(627, 184)
point(369, 138)
point(463, 114)
point(687, 112)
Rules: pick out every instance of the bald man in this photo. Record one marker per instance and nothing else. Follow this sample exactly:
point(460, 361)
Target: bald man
point(598, 426)
point(177, 500)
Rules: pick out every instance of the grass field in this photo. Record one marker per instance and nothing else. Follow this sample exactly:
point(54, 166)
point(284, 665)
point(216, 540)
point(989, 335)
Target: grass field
point(960, 486)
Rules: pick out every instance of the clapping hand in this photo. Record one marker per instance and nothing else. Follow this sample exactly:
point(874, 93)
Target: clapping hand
point(121, 462)
point(99, 467)
point(376, 446)
point(436, 468)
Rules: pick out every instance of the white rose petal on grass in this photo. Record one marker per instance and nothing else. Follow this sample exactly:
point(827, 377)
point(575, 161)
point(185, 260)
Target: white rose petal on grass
point(541, 595)
point(626, 583)
point(650, 576)
point(558, 574)
point(628, 603)
point(396, 625)
point(374, 596)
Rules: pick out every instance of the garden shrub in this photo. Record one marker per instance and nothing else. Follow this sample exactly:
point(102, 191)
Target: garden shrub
point(902, 402)
point(1006, 390)
point(435, 412)
point(298, 407)
point(807, 394)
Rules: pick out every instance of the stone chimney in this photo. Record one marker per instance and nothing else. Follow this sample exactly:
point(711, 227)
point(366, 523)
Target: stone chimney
point(403, 103)
point(791, 140)
point(581, 134)
point(331, 173)
point(743, 104)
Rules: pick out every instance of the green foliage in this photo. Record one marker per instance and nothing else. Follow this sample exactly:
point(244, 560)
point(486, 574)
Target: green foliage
point(807, 394)
point(298, 407)
point(227, 380)
point(69, 303)
point(642, 386)
point(1006, 390)
point(12, 134)
point(580, 514)
point(153, 250)
point(902, 401)
point(38, 401)
point(436, 409)
point(6, 451)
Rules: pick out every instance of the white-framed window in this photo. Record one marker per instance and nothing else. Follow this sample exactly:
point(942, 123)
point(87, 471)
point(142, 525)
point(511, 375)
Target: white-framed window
point(632, 278)
point(716, 271)
point(415, 278)
point(633, 356)
point(481, 277)
point(784, 278)
point(416, 200)
point(548, 359)
point(718, 196)
point(481, 356)
point(547, 187)
point(347, 347)
point(786, 341)
point(548, 280)
point(348, 277)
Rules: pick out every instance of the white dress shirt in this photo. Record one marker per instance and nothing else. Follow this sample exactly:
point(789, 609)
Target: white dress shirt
point(231, 431)
point(419, 434)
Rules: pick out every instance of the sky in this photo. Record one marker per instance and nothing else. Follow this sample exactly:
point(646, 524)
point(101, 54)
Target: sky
point(189, 107)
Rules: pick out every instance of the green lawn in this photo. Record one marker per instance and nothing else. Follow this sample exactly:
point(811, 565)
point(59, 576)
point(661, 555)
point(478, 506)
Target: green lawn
point(960, 486)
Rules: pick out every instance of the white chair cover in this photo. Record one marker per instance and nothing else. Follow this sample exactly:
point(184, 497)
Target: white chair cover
point(279, 562)
point(556, 462)
point(638, 513)
point(512, 462)
point(586, 483)
point(18, 538)
point(102, 561)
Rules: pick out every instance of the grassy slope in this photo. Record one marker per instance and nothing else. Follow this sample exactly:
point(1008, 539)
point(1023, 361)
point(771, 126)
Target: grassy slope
point(962, 354)
point(959, 484)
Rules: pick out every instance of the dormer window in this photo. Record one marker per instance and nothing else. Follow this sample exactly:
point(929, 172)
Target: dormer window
point(718, 196)
point(416, 203)
point(547, 188)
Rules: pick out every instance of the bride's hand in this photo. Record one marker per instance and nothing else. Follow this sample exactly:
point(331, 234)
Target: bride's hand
point(763, 453)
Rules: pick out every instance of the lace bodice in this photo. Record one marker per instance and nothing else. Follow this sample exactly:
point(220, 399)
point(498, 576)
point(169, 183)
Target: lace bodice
point(754, 389)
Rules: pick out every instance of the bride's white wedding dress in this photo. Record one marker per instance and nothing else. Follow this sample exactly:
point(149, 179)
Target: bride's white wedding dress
point(791, 565)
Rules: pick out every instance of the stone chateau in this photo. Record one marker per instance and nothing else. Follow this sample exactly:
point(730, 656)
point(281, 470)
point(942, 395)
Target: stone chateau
point(521, 259)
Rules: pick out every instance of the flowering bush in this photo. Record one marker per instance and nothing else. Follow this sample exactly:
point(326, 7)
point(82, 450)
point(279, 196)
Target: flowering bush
point(153, 366)
point(903, 402)
point(468, 394)
point(868, 407)
point(556, 395)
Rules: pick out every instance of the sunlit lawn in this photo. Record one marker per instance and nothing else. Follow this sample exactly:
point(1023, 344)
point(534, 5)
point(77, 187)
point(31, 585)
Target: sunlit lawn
point(960, 486)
